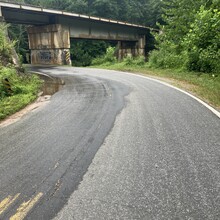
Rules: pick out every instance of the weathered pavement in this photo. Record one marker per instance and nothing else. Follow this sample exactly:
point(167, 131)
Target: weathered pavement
point(111, 145)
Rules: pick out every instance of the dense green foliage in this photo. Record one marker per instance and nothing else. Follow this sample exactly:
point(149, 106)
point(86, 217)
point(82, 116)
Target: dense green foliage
point(19, 34)
point(84, 51)
point(24, 87)
point(190, 38)
point(107, 59)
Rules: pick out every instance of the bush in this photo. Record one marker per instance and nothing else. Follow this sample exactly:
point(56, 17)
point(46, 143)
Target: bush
point(24, 90)
point(128, 61)
point(166, 59)
point(203, 42)
point(108, 59)
point(84, 51)
point(198, 50)
point(24, 87)
point(134, 61)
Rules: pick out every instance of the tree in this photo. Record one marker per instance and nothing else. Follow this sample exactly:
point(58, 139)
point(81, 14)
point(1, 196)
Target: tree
point(189, 36)
point(203, 41)
point(18, 34)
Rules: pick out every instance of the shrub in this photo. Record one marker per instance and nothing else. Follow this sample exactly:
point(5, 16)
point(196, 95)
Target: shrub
point(166, 59)
point(24, 86)
point(128, 61)
point(108, 59)
point(5, 46)
point(24, 90)
point(198, 49)
point(203, 42)
point(134, 61)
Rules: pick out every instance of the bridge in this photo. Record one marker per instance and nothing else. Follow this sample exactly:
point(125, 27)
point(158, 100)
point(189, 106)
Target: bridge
point(49, 32)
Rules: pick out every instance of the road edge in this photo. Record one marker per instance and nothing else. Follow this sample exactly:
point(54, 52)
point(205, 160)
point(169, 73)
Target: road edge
point(217, 113)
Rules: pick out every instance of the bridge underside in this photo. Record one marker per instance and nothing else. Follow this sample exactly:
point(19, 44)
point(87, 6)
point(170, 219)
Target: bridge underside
point(50, 32)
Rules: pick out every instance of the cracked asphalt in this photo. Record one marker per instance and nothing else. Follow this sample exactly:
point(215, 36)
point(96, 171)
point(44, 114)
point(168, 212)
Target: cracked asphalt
point(111, 145)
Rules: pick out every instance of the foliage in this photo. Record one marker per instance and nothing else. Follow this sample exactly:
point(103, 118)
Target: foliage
point(190, 38)
point(106, 59)
point(203, 42)
point(24, 87)
point(109, 59)
point(5, 46)
point(18, 33)
point(134, 61)
point(167, 57)
point(83, 51)
point(24, 90)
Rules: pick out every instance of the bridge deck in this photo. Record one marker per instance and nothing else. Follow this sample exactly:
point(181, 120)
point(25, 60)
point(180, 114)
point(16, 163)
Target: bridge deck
point(17, 13)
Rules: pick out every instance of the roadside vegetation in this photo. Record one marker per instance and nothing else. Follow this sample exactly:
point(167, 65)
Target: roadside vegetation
point(17, 89)
point(203, 85)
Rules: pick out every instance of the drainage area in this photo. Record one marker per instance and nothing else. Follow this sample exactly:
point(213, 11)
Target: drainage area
point(51, 84)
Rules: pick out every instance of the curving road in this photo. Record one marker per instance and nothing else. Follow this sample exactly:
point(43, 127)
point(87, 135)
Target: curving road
point(111, 145)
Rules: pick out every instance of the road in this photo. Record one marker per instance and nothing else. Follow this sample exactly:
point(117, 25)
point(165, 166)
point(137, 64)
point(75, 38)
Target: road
point(111, 145)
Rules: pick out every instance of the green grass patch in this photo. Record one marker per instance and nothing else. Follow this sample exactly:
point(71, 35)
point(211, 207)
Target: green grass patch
point(24, 91)
point(204, 86)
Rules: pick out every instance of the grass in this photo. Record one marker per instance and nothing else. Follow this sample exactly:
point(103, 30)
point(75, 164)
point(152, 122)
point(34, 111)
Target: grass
point(25, 88)
point(204, 86)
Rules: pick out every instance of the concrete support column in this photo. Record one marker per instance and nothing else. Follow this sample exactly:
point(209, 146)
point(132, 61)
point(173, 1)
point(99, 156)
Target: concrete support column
point(126, 49)
point(120, 52)
point(132, 48)
point(2, 20)
point(49, 44)
point(1, 16)
point(141, 44)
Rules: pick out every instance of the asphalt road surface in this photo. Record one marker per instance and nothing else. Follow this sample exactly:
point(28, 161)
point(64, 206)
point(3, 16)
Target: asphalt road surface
point(111, 145)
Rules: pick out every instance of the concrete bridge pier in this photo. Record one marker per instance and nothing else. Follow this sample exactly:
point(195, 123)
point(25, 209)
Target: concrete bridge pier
point(141, 45)
point(131, 48)
point(1, 16)
point(49, 44)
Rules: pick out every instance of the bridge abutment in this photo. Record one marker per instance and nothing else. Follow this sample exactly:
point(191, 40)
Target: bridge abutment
point(141, 45)
point(49, 44)
point(131, 48)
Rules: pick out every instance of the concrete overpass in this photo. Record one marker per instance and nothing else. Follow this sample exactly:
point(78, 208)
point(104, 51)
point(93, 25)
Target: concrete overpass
point(49, 32)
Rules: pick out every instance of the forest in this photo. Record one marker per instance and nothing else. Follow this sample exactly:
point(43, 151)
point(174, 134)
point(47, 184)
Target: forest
point(189, 36)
